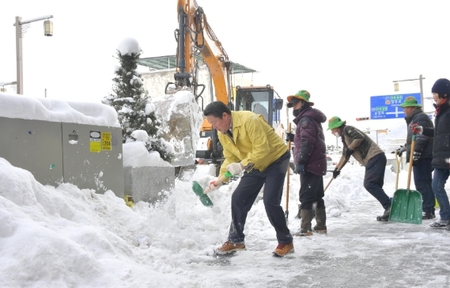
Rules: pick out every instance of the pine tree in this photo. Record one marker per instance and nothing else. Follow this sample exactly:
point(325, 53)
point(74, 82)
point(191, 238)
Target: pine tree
point(132, 102)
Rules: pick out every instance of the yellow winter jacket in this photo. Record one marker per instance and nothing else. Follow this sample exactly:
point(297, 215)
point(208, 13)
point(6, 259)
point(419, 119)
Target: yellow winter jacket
point(254, 141)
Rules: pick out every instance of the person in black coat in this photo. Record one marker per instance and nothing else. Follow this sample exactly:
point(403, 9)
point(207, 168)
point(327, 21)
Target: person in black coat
point(422, 154)
point(311, 161)
point(441, 148)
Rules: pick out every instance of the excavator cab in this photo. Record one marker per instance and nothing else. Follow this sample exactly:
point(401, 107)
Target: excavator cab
point(260, 100)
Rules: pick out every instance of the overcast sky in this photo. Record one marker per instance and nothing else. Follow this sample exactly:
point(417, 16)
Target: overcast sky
point(343, 52)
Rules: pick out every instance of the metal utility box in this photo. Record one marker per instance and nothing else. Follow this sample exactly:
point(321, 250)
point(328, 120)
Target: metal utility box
point(87, 156)
point(92, 157)
point(33, 145)
point(146, 183)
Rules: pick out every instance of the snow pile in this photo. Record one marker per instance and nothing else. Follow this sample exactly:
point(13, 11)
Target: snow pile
point(181, 121)
point(69, 237)
point(23, 107)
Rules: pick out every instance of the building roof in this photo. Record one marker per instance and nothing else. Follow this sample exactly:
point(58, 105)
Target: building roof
point(168, 62)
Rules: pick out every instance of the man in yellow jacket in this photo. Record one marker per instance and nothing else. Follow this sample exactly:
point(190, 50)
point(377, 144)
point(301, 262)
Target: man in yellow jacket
point(251, 146)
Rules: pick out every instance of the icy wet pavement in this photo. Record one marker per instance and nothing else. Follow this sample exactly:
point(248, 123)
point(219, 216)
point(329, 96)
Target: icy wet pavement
point(356, 252)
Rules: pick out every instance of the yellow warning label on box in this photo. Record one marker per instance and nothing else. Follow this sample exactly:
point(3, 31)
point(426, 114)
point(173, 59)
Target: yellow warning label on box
point(95, 143)
point(95, 146)
point(106, 141)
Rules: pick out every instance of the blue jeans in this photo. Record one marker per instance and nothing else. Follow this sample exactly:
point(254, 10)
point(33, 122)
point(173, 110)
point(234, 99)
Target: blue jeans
point(439, 179)
point(422, 179)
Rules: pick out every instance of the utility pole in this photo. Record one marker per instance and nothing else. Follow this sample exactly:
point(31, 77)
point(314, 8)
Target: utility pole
point(396, 86)
point(19, 78)
point(48, 31)
point(421, 90)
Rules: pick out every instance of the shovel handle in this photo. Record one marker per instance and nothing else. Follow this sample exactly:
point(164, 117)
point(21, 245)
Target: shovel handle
point(338, 168)
point(219, 181)
point(411, 152)
point(288, 175)
point(398, 160)
point(328, 185)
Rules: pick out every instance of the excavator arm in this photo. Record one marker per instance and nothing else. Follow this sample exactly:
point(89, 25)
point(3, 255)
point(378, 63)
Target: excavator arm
point(195, 39)
point(197, 43)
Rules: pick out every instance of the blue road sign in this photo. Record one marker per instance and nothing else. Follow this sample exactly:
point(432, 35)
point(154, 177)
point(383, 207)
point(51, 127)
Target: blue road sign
point(388, 106)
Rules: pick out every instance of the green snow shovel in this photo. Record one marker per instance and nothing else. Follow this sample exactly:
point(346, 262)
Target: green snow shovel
point(406, 204)
point(202, 194)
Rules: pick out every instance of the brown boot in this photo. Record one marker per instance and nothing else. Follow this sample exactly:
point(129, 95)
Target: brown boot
point(321, 220)
point(229, 247)
point(284, 249)
point(305, 226)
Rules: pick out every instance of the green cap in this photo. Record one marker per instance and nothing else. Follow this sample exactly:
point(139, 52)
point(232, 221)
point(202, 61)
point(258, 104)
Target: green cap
point(410, 101)
point(335, 122)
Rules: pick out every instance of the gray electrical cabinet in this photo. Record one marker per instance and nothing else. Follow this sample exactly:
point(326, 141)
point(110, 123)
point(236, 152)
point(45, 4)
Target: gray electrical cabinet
point(88, 156)
point(34, 146)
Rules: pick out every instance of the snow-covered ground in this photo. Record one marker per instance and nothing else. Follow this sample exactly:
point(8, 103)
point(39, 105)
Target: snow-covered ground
point(69, 237)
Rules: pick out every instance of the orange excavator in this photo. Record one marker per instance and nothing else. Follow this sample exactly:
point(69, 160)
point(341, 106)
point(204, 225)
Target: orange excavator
point(197, 42)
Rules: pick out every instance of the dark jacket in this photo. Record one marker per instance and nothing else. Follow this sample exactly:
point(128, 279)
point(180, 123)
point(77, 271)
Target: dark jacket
point(441, 133)
point(423, 144)
point(309, 141)
point(362, 145)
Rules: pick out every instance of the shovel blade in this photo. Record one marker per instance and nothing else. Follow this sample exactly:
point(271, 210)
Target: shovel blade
point(406, 207)
point(198, 190)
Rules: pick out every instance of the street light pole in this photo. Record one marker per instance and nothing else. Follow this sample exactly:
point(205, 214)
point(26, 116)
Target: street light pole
point(19, 55)
point(405, 80)
point(421, 90)
point(48, 31)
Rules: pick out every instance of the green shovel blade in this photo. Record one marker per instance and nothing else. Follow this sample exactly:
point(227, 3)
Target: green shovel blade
point(406, 207)
point(198, 190)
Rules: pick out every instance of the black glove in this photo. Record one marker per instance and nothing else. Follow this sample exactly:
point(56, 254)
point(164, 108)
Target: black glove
point(348, 153)
point(336, 173)
point(401, 150)
point(416, 157)
point(289, 137)
point(300, 168)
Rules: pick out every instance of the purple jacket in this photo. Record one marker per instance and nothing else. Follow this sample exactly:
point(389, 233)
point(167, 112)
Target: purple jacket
point(309, 141)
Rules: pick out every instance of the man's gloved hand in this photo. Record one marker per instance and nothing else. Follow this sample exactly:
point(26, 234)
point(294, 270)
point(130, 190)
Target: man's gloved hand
point(416, 157)
point(289, 137)
point(235, 168)
point(300, 168)
point(336, 173)
point(212, 186)
point(401, 150)
point(416, 129)
point(348, 153)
